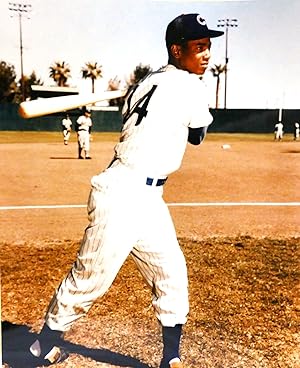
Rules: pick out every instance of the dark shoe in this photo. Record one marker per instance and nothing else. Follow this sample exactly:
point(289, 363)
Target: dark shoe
point(56, 355)
point(81, 158)
point(47, 347)
point(88, 158)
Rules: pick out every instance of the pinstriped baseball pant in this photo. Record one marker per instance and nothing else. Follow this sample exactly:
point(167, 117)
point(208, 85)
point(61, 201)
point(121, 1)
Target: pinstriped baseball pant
point(126, 217)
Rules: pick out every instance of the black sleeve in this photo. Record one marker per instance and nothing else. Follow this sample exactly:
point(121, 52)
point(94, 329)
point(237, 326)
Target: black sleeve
point(196, 135)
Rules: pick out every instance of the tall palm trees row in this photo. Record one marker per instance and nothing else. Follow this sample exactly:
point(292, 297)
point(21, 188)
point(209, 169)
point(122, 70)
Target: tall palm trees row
point(60, 72)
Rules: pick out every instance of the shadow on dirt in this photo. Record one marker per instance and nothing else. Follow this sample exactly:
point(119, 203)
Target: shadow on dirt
point(18, 338)
point(63, 158)
point(291, 151)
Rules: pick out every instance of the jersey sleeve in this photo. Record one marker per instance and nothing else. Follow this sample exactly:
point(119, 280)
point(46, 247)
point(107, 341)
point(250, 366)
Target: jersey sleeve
point(198, 105)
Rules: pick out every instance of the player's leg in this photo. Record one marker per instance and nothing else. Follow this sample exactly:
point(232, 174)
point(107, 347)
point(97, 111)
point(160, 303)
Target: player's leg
point(98, 262)
point(161, 262)
point(65, 136)
point(87, 145)
point(80, 145)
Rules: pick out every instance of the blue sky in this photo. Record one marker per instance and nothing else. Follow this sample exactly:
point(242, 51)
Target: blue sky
point(264, 50)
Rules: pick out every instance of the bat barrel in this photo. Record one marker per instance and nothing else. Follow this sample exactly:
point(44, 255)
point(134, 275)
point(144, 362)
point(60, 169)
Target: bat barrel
point(46, 106)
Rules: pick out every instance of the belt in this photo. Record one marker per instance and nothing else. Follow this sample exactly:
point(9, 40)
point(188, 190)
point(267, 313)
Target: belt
point(155, 182)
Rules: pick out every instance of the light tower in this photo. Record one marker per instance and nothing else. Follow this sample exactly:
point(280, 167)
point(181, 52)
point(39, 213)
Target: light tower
point(226, 23)
point(18, 9)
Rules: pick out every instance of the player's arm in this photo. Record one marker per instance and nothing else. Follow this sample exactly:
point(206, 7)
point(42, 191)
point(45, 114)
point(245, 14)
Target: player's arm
point(196, 135)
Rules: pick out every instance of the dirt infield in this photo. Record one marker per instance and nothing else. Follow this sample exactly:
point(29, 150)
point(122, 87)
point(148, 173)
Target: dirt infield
point(251, 171)
point(239, 228)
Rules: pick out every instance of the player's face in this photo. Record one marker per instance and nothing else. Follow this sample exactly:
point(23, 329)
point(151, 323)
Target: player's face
point(194, 57)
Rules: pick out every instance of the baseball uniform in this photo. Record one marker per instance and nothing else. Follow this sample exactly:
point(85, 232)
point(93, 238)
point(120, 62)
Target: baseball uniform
point(84, 124)
point(127, 213)
point(296, 131)
point(126, 210)
point(66, 126)
point(278, 131)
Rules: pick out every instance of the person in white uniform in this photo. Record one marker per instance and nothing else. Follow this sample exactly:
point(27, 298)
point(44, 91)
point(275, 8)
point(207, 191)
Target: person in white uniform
point(84, 124)
point(126, 210)
point(66, 128)
point(278, 132)
point(296, 131)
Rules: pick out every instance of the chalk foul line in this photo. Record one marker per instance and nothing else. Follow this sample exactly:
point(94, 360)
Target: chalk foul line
point(182, 204)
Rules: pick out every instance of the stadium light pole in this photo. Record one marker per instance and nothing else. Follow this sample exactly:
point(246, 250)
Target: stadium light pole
point(19, 9)
point(226, 23)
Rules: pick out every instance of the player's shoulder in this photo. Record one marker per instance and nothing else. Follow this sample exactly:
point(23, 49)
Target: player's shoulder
point(178, 78)
point(191, 80)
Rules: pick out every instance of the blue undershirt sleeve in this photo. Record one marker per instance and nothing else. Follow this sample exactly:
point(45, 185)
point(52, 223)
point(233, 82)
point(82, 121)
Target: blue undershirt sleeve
point(197, 135)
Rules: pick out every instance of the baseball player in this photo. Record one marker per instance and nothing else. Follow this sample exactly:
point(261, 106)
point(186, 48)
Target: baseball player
point(278, 132)
point(296, 131)
point(127, 213)
point(83, 128)
point(66, 128)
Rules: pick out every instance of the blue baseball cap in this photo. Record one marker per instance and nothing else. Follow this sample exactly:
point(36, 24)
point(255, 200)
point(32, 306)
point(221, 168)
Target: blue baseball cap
point(188, 27)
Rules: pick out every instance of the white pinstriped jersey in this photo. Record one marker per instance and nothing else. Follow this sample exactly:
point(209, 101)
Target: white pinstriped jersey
point(84, 122)
point(156, 117)
point(67, 123)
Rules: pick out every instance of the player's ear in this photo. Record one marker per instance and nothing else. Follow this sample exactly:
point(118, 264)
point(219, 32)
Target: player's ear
point(176, 51)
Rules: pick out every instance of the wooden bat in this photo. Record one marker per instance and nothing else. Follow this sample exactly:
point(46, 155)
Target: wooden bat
point(45, 106)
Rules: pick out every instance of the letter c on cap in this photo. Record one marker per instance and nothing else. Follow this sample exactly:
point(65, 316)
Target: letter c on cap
point(200, 20)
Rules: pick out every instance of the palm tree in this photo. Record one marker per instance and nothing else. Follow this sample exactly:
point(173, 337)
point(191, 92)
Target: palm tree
point(8, 85)
point(217, 70)
point(93, 71)
point(60, 72)
point(28, 81)
point(139, 73)
point(114, 85)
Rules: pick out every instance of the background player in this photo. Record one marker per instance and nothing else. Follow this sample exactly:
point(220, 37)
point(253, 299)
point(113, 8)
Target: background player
point(278, 131)
point(83, 127)
point(296, 131)
point(66, 128)
point(127, 213)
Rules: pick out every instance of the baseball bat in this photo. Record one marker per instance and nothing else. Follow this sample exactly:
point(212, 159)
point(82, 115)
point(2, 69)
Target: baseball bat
point(45, 106)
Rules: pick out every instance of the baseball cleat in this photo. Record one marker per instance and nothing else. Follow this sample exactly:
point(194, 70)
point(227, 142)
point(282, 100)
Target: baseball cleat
point(56, 355)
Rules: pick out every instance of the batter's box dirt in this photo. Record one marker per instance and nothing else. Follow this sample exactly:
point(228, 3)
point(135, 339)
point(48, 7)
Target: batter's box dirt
point(243, 295)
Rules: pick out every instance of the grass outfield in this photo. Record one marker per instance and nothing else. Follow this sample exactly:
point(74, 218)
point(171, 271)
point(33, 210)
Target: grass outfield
point(53, 137)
